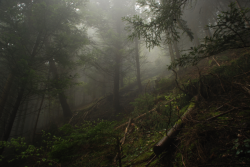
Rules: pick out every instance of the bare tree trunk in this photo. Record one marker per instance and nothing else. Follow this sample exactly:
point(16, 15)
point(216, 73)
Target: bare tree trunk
point(176, 48)
point(137, 59)
point(116, 101)
point(13, 115)
point(18, 120)
point(103, 86)
point(208, 32)
point(36, 105)
point(121, 76)
point(62, 98)
point(171, 52)
point(20, 94)
point(24, 118)
point(206, 29)
point(118, 23)
point(5, 94)
point(37, 118)
point(196, 39)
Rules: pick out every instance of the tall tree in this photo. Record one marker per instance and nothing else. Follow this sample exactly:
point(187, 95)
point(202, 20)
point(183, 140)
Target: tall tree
point(114, 49)
point(137, 59)
point(24, 27)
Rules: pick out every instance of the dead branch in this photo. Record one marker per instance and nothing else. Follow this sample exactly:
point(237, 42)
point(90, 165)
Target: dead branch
point(141, 116)
point(244, 87)
point(149, 162)
point(212, 118)
point(216, 61)
point(122, 141)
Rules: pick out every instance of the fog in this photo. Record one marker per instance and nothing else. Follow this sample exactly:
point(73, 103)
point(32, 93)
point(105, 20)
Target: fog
point(97, 61)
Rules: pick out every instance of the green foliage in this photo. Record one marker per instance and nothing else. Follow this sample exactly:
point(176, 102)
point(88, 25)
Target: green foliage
point(143, 103)
point(165, 85)
point(161, 25)
point(230, 32)
point(241, 147)
point(73, 142)
point(89, 134)
point(21, 151)
point(27, 27)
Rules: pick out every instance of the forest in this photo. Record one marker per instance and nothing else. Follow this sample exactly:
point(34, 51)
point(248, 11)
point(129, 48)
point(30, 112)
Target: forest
point(124, 83)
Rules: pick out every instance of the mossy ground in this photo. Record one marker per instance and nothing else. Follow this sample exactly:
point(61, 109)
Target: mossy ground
point(207, 138)
point(222, 141)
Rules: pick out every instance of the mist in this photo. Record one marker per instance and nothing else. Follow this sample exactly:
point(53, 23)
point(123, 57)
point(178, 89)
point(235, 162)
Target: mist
point(67, 62)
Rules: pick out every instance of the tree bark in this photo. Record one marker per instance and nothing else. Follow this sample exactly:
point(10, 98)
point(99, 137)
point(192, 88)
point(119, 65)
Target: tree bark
point(121, 77)
point(171, 52)
point(176, 48)
point(20, 93)
point(206, 29)
point(137, 59)
point(62, 98)
point(37, 118)
point(5, 94)
point(166, 141)
point(18, 121)
point(116, 101)
point(118, 23)
point(196, 39)
point(24, 118)
point(13, 114)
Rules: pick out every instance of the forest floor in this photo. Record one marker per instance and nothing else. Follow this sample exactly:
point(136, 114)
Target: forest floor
point(216, 134)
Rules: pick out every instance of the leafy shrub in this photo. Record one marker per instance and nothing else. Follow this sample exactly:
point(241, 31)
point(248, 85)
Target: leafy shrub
point(83, 137)
point(73, 142)
point(143, 103)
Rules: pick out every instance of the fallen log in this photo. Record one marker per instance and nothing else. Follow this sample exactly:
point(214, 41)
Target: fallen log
point(166, 141)
point(126, 132)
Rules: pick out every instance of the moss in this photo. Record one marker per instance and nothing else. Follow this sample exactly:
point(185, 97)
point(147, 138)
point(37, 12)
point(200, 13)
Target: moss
point(178, 122)
point(143, 157)
point(191, 105)
point(183, 110)
point(215, 113)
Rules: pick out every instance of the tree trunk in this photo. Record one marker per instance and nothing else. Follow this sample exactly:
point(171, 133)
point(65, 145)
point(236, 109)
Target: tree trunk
point(20, 94)
point(116, 100)
point(196, 39)
point(177, 52)
point(166, 141)
point(137, 59)
point(24, 118)
point(5, 94)
point(118, 47)
point(37, 118)
point(13, 115)
point(62, 98)
point(18, 121)
point(207, 30)
point(121, 79)
point(171, 52)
